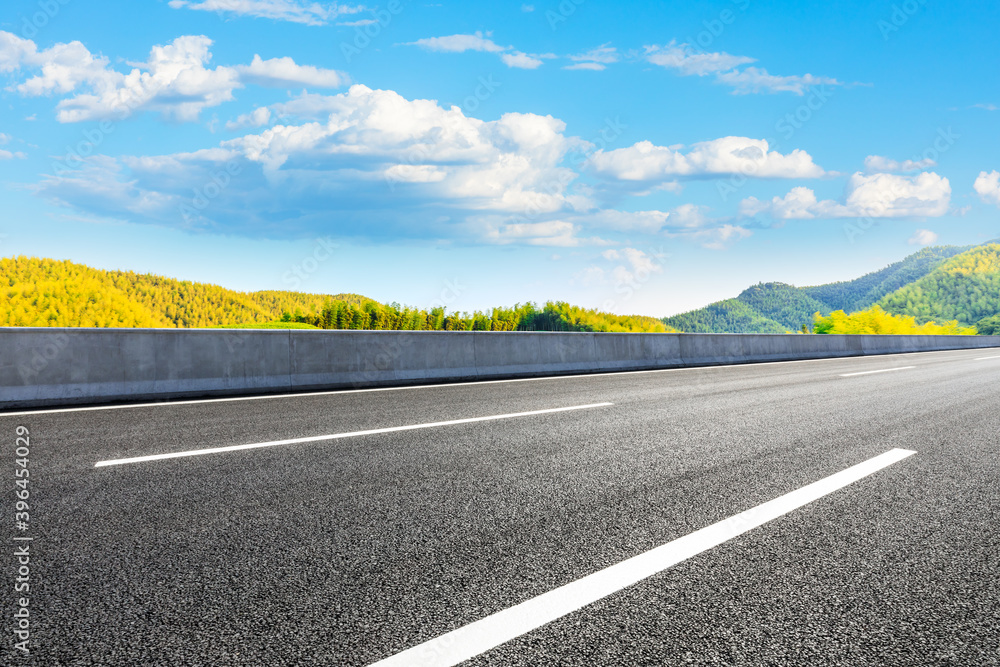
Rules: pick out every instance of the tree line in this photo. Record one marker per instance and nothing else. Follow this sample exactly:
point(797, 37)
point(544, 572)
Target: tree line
point(553, 316)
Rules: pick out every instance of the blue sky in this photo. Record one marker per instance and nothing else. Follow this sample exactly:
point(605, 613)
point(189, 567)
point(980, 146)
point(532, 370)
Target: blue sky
point(634, 157)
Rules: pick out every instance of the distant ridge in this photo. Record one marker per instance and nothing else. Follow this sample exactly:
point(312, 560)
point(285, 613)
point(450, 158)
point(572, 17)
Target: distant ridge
point(936, 283)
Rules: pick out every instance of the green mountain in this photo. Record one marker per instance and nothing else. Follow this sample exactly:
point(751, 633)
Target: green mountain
point(965, 288)
point(860, 293)
point(948, 294)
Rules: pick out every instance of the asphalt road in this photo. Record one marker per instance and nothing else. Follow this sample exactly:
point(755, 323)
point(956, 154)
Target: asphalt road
point(348, 551)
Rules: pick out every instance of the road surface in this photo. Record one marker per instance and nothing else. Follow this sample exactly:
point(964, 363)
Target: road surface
point(437, 507)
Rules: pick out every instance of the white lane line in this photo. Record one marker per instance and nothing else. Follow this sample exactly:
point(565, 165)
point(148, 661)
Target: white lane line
point(337, 436)
point(488, 633)
point(985, 358)
point(883, 370)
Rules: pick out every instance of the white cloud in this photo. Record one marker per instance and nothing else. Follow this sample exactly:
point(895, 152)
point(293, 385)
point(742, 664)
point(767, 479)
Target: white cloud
point(632, 267)
point(372, 154)
point(689, 216)
point(875, 195)
point(480, 42)
point(757, 80)
point(174, 80)
point(987, 186)
point(256, 118)
point(527, 8)
point(63, 68)
point(722, 237)
point(923, 237)
point(557, 233)
point(647, 162)
point(595, 59)
point(14, 50)
point(4, 138)
point(636, 266)
point(9, 155)
point(284, 72)
point(647, 222)
point(878, 163)
point(459, 44)
point(309, 13)
point(592, 276)
point(687, 61)
point(520, 60)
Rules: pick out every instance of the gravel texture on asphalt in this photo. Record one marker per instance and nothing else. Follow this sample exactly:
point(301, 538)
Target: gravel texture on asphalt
point(348, 551)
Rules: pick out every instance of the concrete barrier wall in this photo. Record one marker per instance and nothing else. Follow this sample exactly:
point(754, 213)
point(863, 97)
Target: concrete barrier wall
point(43, 367)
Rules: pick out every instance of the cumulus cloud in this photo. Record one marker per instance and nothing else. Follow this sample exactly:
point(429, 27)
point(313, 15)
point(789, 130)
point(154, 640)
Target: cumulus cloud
point(645, 162)
point(257, 118)
point(688, 61)
point(374, 152)
point(878, 163)
point(987, 186)
point(309, 13)
point(923, 237)
point(174, 80)
point(873, 195)
point(14, 50)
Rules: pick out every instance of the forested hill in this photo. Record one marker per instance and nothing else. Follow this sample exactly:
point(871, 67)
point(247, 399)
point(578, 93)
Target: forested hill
point(779, 307)
point(965, 288)
point(860, 293)
point(46, 292)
